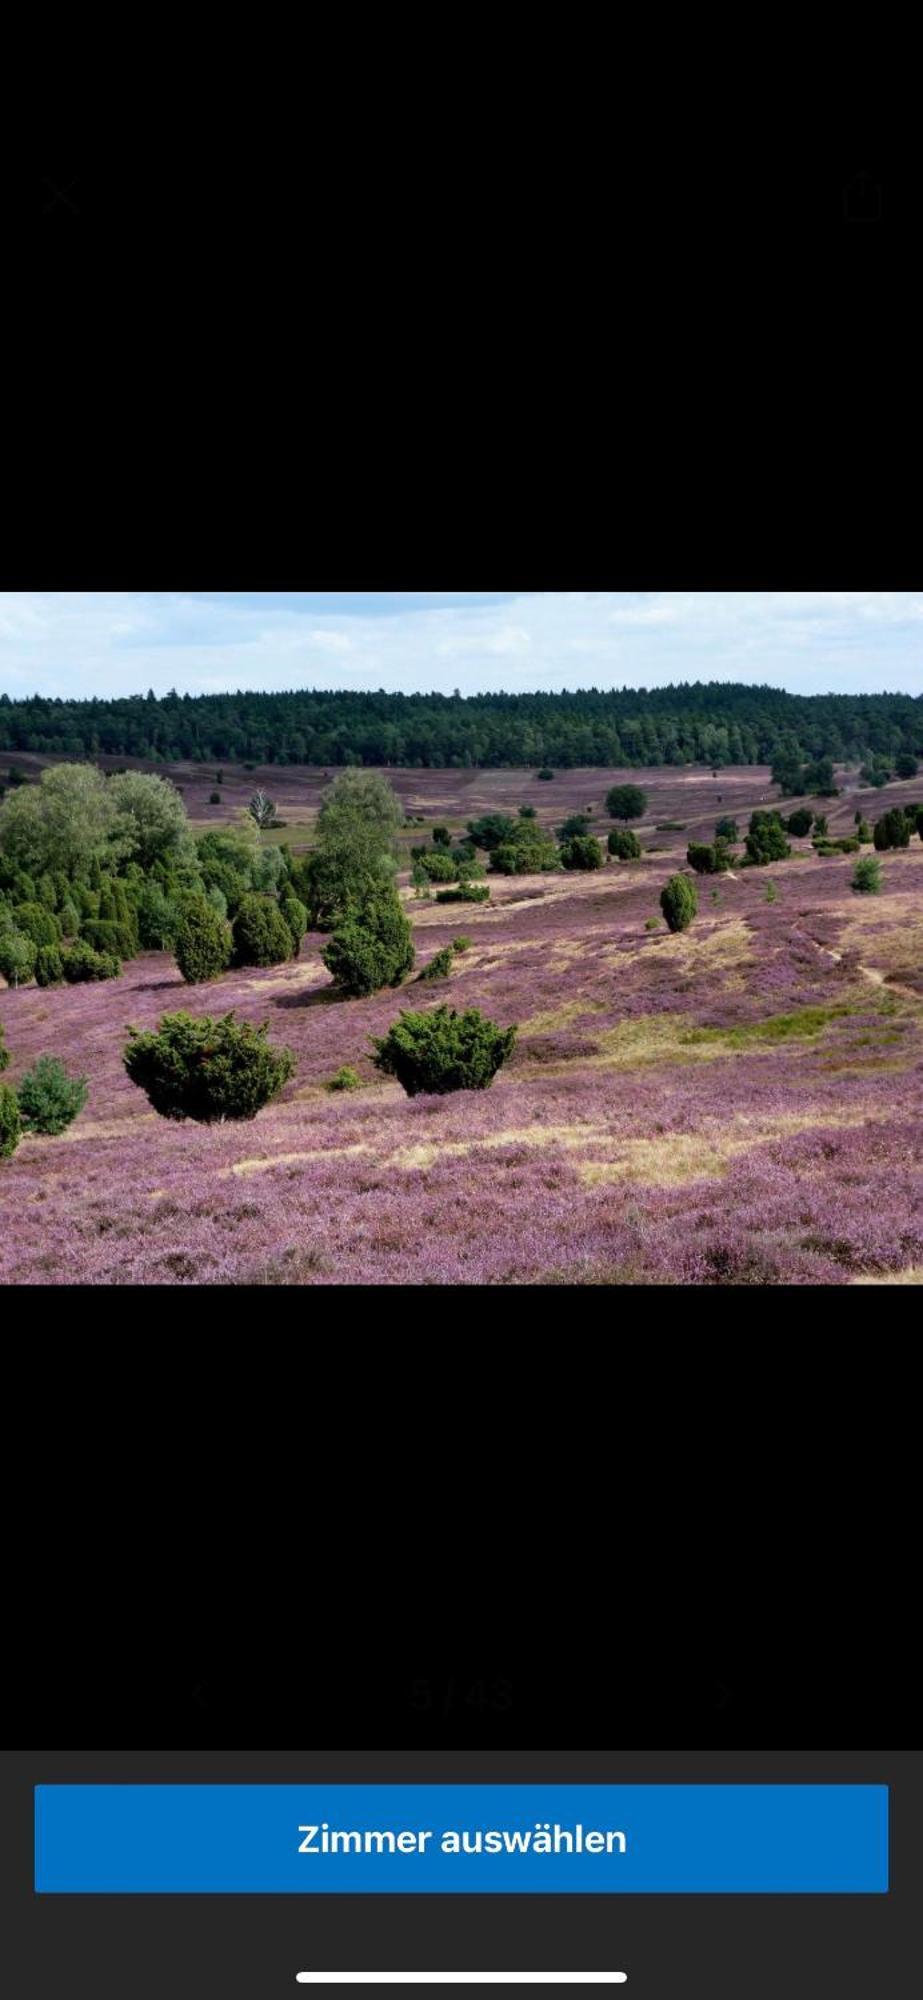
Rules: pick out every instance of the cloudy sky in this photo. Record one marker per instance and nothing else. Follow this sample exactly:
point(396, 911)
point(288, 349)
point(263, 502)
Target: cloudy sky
point(201, 642)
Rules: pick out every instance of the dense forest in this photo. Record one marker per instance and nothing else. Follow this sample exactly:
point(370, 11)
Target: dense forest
point(714, 724)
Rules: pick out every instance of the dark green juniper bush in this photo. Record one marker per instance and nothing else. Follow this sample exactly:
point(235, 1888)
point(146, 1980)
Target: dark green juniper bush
point(443, 1051)
point(49, 1099)
point(207, 1069)
point(679, 902)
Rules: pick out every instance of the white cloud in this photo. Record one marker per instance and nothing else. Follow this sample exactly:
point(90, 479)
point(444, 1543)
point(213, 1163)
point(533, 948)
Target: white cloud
point(73, 644)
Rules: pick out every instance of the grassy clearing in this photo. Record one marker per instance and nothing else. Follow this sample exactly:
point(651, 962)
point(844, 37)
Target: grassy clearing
point(804, 1023)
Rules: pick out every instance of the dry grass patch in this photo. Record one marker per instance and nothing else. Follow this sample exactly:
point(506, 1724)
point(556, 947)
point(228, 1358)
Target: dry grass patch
point(912, 1276)
point(673, 1158)
point(262, 1164)
point(567, 1137)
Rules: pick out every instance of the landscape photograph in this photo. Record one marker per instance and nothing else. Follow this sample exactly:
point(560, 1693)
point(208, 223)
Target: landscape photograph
point(461, 939)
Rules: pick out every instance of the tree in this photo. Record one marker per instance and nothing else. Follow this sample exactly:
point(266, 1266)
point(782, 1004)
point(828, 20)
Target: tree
point(582, 852)
point(17, 957)
point(262, 810)
point(49, 970)
point(203, 942)
point(442, 1051)
point(261, 934)
point(50, 1099)
point(708, 860)
point(207, 1069)
point(766, 840)
point(905, 765)
point(442, 836)
point(624, 845)
point(70, 821)
point(866, 876)
point(577, 823)
point(10, 1122)
point(296, 917)
point(626, 802)
point(152, 819)
point(159, 918)
point(892, 830)
point(356, 851)
point(875, 774)
point(491, 831)
point(800, 822)
point(727, 829)
point(819, 779)
point(81, 963)
point(679, 902)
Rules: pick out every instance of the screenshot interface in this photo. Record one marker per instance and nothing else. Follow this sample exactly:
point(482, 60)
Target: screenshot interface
point(466, 1856)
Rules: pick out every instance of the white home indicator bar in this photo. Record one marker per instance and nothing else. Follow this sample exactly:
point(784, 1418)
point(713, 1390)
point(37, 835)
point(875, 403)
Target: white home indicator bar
point(462, 1978)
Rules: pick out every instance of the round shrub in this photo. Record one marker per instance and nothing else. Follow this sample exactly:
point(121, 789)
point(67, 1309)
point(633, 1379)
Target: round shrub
point(799, 822)
point(574, 824)
point(261, 934)
point(345, 1079)
point(702, 858)
point(442, 836)
point(37, 923)
point(581, 852)
point(295, 916)
point(866, 876)
point(442, 1050)
point(863, 832)
point(439, 966)
point(10, 1122)
point(49, 970)
point(892, 830)
point(527, 812)
point(905, 765)
point(626, 802)
point(49, 1099)
point(80, 963)
point(727, 829)
point(462, 943)
point(214, 798)
point(438, 866)
point(207, 1069)
point(679, 902)
point(545, 775)
point(203, 942)
point(467, 893)
point(17, 957)
point(624, 844)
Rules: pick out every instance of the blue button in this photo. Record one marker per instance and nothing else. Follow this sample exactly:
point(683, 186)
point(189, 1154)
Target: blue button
point(422, 1839)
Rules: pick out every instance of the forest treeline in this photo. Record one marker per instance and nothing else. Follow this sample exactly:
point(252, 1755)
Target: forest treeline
point(712, 723)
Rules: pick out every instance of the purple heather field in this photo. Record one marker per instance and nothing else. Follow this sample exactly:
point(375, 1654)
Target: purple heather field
point(741, 1104)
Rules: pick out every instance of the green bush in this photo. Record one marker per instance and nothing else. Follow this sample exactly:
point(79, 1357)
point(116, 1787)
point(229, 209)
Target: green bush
point(37, 923)
point(772, 893)
point(727, 829)
point(875, 774)
point(905, 765)
point(441, 836)
point(766, 840)
point(108, 937)
point(626, 802)
point(679, 902)
point(374, 948)
point(866, 876)
point(159, 918)
point(527, 812)
point(49, 970)
point(576, 823)
point(671, 825)
point(582, 852)
point(820, 826)
point(546, 775)
point(214, 798)
point(652, 924)
point(438, 866)
point(261, 934)
point(345, 1079)
point(799, 822)
point(492, 830)
point(10, 1122)
point(624, 844)
point(207, 1069)
point(442, 1050)
point(49, 1099)
point(467, 893)
point(440, 965)
point(81, 963)
point(462, 943)
point(863, 832)
point(892, 830)
point(17, 957)
point(296, 917)
point(203, 942)
point(701, 858)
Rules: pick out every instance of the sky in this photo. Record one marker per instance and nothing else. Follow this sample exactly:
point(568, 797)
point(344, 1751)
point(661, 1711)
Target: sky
point(81, 644)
